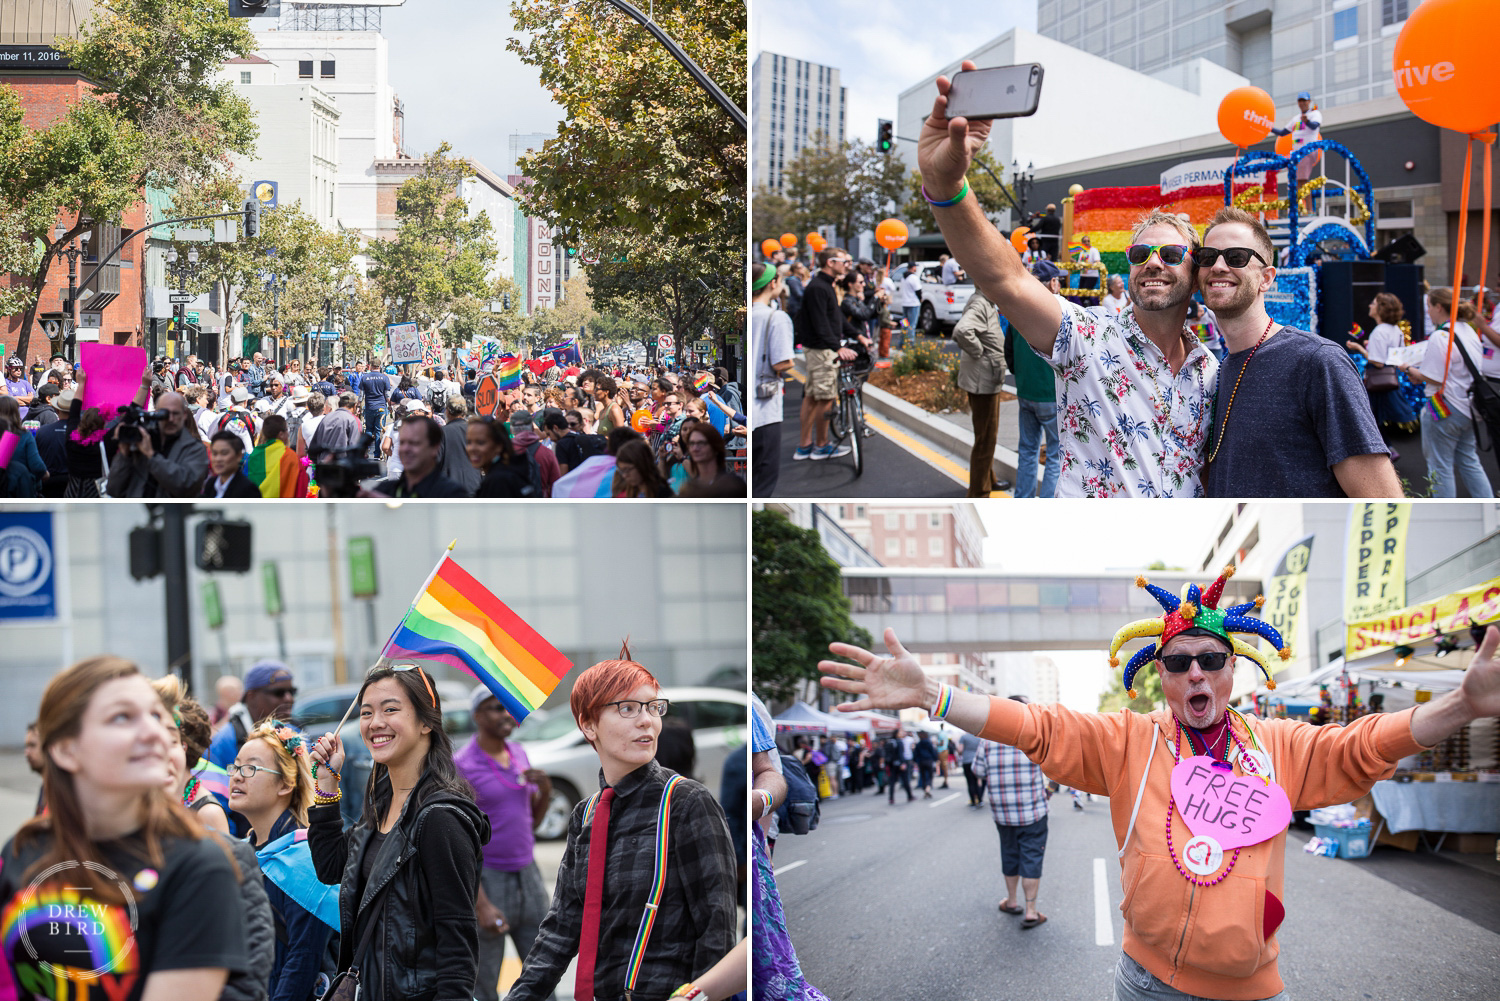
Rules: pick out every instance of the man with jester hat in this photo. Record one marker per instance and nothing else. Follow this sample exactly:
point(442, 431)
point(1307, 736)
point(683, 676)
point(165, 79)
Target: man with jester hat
point(1200, 796)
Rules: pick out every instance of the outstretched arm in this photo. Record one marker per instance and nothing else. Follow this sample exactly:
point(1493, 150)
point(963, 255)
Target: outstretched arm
point(1478, 696)
point(896, 682)
point(945, 151)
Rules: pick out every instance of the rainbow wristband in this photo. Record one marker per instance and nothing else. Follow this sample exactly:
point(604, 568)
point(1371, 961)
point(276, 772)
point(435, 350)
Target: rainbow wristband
point(769, 799)
point(944, 702)
point(688, 991)
point(962, 194)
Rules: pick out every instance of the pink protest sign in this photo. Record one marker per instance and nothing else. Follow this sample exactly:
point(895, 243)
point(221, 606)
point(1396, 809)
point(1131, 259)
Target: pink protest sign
point(1234, 810)
point(114, 374)
point(8, 442)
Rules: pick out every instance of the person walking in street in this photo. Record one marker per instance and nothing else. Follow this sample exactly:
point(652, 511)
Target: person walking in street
point(1216, 937)
point(897, 767)
point(926, 757)
point(1018, 800)
point(974, 776)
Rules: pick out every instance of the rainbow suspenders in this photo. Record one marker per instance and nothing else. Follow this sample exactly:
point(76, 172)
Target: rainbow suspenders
point(658, 881)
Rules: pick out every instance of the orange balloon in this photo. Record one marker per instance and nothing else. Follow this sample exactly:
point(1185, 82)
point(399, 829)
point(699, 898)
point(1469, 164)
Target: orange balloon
point(788, 239)
point(769, 246)
point(1284, 144)
point(1445, 66)
point(1018, 238)
point(816, 241)
point(891, 234)
point(642, 420)
point(1246, 115)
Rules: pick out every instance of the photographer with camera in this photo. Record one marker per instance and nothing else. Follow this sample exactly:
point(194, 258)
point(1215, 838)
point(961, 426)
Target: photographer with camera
point(158, 453)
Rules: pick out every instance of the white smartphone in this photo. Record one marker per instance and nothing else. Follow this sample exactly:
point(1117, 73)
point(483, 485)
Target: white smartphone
point(996, 92)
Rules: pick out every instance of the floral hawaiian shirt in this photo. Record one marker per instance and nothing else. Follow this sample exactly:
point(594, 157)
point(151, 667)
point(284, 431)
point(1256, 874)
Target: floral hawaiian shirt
point(1127, 426)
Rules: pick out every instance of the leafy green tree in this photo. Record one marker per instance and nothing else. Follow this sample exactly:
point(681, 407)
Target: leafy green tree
point(440, 254)
point(771, 214)
point(311, 264)
point(18, 256)
point(365, 314)
point(624, 326)
point(643, 148)
point(849, 186)
point(167, 121)
point(555, 325)
point(1147, 687)
point(690, 287)
point(798, 606)
point(917, 214)
point(474, 318)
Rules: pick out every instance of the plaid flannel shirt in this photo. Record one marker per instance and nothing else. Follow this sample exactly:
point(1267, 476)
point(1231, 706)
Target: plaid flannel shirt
point(1017, 789)
point(695, 925)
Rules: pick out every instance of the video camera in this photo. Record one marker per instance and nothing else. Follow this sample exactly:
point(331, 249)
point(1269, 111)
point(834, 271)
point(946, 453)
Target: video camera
point(340, 472)
point(136, 420)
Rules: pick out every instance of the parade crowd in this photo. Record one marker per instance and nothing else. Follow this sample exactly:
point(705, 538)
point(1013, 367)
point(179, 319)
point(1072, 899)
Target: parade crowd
point(249, 430)
point(170, 860)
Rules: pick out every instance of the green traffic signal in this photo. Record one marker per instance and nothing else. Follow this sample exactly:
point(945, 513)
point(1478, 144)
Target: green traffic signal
point(885, 139)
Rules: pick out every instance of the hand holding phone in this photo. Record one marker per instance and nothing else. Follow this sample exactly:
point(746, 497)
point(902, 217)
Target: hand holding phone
point(996, 92)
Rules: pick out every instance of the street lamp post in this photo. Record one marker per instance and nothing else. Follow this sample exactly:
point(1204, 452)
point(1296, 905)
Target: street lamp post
point(70, 321)
point(1022, 182)
point(183, 272)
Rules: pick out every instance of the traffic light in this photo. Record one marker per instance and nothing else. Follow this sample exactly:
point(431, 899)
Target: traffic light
point(507, 302)
point(252, 216)
point(145, 552)
point(572, 251)
point(885, 141)
point(223, 546)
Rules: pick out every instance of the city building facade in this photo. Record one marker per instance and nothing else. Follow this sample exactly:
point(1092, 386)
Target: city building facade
point(792, 102)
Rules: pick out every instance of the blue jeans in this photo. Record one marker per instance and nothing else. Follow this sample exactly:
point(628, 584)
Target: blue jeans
point(375, 424)
point(1035, 419)
point(911, 321)
point(1450, 443)
point(1133, 982)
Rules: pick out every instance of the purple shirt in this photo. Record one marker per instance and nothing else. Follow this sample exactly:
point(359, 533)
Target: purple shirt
point(505, 797)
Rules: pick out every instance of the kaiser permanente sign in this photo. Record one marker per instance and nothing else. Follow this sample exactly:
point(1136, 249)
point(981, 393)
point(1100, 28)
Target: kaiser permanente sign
point(1197, 173)
point(1428, 620)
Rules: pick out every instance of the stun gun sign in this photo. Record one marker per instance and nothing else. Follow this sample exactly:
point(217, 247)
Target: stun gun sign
point(1234, 810)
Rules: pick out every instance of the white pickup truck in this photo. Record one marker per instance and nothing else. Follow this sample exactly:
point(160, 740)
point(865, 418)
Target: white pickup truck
point(942, 305)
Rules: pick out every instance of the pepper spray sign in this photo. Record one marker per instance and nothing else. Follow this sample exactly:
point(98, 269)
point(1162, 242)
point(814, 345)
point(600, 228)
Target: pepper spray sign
point(1233, 810)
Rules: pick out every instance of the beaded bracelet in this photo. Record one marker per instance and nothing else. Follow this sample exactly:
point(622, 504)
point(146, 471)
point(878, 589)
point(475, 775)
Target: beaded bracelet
point(962, 194)
point(330, 771)
point(321, 800)
point(944, 702)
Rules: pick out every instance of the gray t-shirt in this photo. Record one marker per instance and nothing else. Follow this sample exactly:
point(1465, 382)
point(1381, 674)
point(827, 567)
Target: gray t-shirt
point(968, 747)
point(1300, 410)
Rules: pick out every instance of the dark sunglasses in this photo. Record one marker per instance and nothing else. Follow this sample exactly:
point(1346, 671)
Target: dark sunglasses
point(1171, 254)
point(1180, 663)
point(281, 693)
point(1235, 257)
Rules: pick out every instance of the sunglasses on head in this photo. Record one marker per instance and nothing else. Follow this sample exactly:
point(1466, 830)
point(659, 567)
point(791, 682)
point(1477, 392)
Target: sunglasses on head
point(420, 673)
point(1181, 663)
point(1235, 257)
point(1170, 254)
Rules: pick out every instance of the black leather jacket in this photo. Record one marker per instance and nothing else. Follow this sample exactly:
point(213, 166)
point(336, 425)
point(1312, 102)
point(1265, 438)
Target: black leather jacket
point(427, 945)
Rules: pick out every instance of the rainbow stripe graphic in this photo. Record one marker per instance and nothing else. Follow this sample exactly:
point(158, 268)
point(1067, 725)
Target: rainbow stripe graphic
point(658, 884)
point(277, 471)
point(101, 930)
point(508, 371)
point(457, 621)
point(1439, 407)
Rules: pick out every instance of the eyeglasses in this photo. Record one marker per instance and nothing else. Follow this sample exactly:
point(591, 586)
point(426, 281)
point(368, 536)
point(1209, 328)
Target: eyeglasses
point(1170, 254)
point(281, 693)
point(574, 424)
point(1180, 663)
point(248, 771)
point(631, 708)
point(1235, 257)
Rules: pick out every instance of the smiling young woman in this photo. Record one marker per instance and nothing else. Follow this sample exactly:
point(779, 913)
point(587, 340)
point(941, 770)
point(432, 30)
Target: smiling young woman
point(661, 841)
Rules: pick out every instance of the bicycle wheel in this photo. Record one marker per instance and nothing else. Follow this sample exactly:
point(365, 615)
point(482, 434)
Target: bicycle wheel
point(854, 418)
point(836, 426)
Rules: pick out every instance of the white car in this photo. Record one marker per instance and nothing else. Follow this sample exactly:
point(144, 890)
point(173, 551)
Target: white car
point(942, 305)
point(719, 718)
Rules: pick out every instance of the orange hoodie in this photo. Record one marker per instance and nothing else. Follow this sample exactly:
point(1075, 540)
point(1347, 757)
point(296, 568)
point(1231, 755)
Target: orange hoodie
point(1208, 941)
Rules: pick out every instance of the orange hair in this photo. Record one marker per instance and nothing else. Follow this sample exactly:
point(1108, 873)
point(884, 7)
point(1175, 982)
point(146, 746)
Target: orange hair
point(604, 682)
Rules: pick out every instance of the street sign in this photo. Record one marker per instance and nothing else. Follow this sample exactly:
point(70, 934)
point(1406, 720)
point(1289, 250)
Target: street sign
point(591, 257)
point(28, 564)
point(487, 396)
point(362, 582)
point(181, 297)
point(192, 316)
point(664, 342)
point(328, 335)
point(213, 608)
point(272, 583)
point(406, 344)
point(703, 347)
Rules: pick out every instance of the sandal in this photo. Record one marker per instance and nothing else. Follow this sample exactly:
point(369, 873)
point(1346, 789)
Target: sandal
point(1012, 909)
point(1033, 922)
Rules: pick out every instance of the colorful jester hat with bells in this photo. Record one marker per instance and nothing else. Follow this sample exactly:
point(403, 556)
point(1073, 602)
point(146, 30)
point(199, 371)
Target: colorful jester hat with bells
point(1196, 610)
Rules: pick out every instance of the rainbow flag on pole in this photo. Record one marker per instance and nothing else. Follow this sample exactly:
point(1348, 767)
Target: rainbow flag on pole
point(456, 621)
point(508, 370)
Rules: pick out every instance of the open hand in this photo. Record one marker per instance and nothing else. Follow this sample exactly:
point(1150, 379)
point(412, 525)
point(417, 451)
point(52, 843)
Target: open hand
point(1481, 684)
point(947, 146)
point(894, 682)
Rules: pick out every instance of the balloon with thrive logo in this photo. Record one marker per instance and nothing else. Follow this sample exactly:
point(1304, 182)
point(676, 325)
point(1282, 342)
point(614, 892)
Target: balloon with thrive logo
point(1444, 64)
point(1018, 238)
point(769, 246)
point(1246, 116)
point(891, 234)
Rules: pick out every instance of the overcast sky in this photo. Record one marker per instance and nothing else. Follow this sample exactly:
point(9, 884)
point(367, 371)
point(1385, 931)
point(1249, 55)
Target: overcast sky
point(880, 47)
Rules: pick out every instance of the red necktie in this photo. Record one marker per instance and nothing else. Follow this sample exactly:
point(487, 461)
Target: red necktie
point(593, 900)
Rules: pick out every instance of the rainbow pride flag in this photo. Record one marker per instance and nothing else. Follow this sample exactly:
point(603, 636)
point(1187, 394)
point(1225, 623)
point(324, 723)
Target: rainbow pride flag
point(457, 621)
point(508, 369)
point(277, 470)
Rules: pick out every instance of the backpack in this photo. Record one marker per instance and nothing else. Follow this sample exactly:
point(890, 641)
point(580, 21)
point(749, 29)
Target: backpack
point(591, 445)
point(1484, 400)
point(800, 813)
point(534, 469)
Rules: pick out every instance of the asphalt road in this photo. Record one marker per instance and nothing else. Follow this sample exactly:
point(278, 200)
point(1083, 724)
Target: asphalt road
point(890, 469)
point(899, 902)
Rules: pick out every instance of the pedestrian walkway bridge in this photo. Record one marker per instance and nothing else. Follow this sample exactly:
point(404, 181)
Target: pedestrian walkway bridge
point(983, 610)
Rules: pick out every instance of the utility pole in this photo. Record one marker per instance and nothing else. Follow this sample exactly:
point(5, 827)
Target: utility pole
point(174, 569)
point(336, 593)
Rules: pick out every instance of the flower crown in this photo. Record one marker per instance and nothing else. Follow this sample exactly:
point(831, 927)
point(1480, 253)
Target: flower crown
point(291, 740)
point(1196, 610)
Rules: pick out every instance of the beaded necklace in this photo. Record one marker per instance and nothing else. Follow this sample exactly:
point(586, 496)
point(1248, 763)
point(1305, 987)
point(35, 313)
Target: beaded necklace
point(1224, 424)
point(1245, 762)
point(190, 792)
